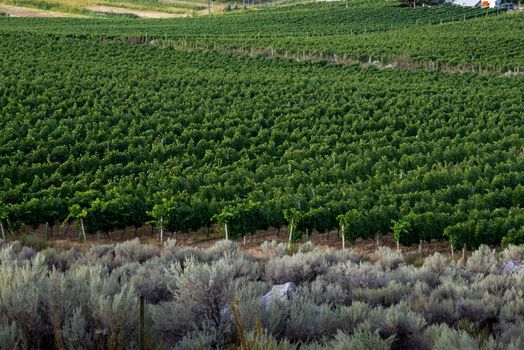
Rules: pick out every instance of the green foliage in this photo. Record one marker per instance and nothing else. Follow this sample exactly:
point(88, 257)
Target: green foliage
point(413, 227)
point(514, 236)
point(354, 223)
point(98, 122)
point(161, 213)
point(76, 212)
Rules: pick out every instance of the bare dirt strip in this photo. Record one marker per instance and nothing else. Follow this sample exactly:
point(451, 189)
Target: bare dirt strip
point(139, 13)
point(18, 11)
point(67, 237)
point(185, 3)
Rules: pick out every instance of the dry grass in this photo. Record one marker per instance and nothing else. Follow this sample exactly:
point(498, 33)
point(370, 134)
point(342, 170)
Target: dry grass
point(139, 13)
point(19, 11)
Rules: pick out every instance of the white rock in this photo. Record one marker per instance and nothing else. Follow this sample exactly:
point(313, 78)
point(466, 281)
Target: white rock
point(512, 268)
point(279, 293)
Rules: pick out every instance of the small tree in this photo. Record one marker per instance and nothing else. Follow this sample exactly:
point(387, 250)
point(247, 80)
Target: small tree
point(161, 215)
point(293, 217)
point(77, 213)
point(4, 215)
point(351, 225)
point(224, 218)
point(400, 228)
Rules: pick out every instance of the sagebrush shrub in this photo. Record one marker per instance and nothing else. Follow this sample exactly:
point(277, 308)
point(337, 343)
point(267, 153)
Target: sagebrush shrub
point(389, 259)
point(151, 282)
point(310, 322)
point(508, 333)
point(225, 248)
point(430, 305)
point(391, 294)
point(133, 251)
point(441, 337)
point(201, 293)
point(436, 263)
point(273, 248)
point(306, 247)
point(214, 298)
point(11, 337)
point(22, 301)
point(352, 317)
point(403, 324)
point(513, 252)
point(349, 275)
point(61, 260)
point(15, 253)
point(484, 260)
point(357, 341)
point(325, 293)
point(297, 268)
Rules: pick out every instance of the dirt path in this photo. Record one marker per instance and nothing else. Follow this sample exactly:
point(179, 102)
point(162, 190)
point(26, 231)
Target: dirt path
point(19, 11)
point(185, 3)
point(215, 8)
point(139, 13)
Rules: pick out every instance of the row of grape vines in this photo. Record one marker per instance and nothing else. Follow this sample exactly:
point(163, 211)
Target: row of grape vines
point(446, 38)
point(121, 135)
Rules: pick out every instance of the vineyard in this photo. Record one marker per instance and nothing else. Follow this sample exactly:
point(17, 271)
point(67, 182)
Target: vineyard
point(384, 126)
point(441, 38)
point(117, 135)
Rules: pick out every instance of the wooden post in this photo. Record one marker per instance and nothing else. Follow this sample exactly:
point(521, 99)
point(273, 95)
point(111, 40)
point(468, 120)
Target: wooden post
point(420, 248)
point(452, 250)
point(2, 230)
point(161, 230)
point(343, 238)
point(244, 239)
point(227, 233)
point(65, 230)
point(290, 232)
point(377, 237)
point(209, 7)
point(398, 246)
point(83, 231)
point(464, 253)
point(141, 331)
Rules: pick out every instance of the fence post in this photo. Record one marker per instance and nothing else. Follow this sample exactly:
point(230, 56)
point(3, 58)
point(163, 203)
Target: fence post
point(141, 345)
